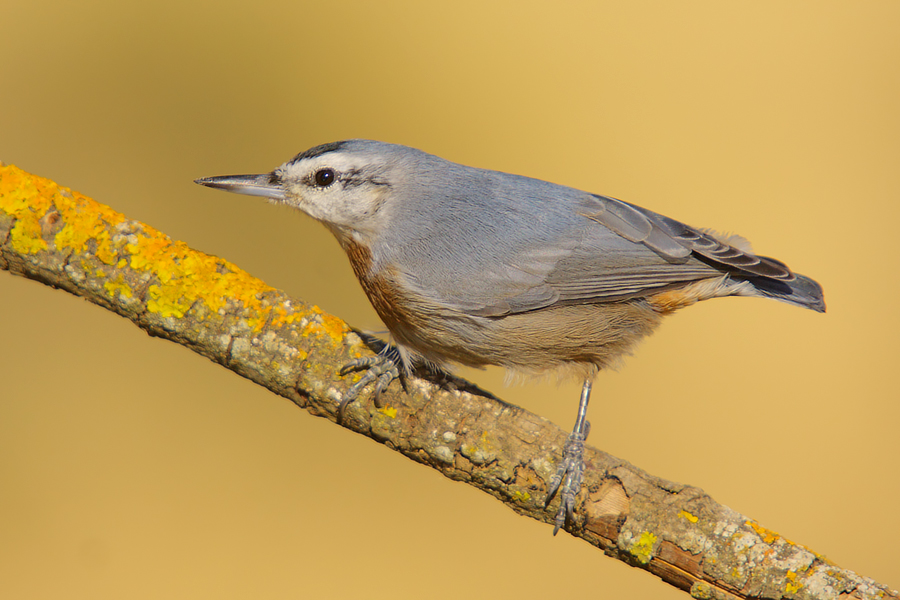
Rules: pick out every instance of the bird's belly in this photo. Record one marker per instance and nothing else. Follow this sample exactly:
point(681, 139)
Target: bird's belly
point(585, 336)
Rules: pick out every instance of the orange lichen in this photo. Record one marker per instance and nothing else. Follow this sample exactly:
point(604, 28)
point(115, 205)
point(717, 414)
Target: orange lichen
point(333, 326)
point(86, 221)
point(17, 192)
point(767, 535)
point(22, 194)
point(185, 277)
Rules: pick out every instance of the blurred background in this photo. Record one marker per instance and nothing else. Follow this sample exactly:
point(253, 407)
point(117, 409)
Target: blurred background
point(132, 468)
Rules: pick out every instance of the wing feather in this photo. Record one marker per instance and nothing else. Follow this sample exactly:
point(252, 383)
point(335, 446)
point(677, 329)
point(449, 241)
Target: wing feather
point(546, 244)
point(675, 241)
point(629, 252)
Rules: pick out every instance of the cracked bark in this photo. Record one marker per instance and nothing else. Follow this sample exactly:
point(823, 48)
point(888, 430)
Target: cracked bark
point(674, 531)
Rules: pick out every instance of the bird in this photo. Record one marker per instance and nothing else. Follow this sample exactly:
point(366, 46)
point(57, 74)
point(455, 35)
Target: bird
point(475, 267)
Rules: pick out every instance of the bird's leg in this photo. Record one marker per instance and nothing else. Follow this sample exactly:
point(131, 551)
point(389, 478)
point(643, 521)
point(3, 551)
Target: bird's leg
point(571, 471)
point(381, 369)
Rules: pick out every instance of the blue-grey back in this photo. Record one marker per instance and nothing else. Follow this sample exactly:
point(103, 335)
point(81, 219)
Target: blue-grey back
point(496, 243)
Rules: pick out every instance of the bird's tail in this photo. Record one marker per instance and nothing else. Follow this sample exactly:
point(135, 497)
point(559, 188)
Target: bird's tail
point(800, 291)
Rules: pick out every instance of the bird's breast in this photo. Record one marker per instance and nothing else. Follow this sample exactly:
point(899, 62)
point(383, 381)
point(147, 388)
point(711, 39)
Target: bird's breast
point(415, 322)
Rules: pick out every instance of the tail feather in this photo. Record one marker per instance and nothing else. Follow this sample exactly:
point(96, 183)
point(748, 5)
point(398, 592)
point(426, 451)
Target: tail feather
point(800, 291)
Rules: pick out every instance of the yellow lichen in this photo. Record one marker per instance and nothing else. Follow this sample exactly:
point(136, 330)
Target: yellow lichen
point(118, 286)
point(521, 496)
point(388, 411)
point(792, 586)
point(25, 236)
point(166, 303)
point(642, 549)
point(686, 515)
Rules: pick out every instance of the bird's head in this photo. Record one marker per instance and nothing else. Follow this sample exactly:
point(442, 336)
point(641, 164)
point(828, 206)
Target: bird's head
point(346, 185)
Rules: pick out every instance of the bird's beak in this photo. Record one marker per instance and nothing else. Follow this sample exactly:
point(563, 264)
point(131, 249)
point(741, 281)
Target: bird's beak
point(267, 185)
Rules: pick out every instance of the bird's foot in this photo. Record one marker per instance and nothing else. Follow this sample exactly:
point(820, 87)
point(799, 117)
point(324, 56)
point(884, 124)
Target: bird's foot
point(568, 477)
point(380, 369)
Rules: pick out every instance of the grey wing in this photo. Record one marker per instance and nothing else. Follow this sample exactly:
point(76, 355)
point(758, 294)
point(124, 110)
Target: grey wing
point(675, 241)
point(619, 250)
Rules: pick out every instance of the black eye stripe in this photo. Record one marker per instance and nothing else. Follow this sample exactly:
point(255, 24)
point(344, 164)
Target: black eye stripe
point(324, 177)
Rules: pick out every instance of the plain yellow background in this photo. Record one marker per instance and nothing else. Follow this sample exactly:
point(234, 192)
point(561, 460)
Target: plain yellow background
point(132, 468)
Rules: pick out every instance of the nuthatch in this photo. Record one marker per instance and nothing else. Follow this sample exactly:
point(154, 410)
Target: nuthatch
point(479, 267)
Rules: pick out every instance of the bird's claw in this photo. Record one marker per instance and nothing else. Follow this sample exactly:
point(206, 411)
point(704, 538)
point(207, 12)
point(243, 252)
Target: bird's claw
point(379, 369)
point(568, 478)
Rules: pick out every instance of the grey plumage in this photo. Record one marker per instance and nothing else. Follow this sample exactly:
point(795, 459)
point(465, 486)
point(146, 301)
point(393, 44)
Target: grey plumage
point(479, 267)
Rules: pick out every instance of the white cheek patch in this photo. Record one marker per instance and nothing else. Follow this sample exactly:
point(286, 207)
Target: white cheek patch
point(348, 203)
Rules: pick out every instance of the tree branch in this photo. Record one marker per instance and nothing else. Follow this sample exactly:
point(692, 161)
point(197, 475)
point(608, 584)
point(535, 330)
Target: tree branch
point(677, 532)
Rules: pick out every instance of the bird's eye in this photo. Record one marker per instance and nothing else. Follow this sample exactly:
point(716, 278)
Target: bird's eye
point(324, 177)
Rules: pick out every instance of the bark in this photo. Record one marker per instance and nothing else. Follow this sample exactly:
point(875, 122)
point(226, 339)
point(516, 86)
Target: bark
point(677, 532)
